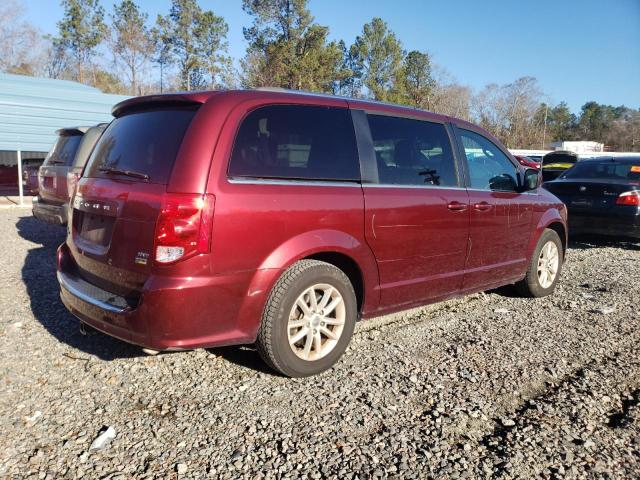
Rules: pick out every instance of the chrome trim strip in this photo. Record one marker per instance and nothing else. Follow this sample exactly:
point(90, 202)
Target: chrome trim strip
point(320, 183)
point(276, 181)
point(62, 279)
point(420, 187)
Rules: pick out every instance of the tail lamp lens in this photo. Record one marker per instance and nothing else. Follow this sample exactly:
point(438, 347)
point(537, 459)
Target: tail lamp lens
point(183, 227)
point(631, 198)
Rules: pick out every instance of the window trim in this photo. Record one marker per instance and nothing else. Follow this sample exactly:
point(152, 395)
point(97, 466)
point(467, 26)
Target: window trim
point(254, 180)
point(463, 156)
point(369, 164)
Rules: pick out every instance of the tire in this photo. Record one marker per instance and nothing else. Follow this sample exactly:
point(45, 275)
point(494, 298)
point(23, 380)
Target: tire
point(284, 319)
point(534, 283)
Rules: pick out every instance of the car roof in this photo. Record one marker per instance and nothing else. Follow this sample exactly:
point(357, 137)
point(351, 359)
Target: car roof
point(80, 130)
point(625, 159)
point(73, 130)
point(267, 93)
point(280, 95)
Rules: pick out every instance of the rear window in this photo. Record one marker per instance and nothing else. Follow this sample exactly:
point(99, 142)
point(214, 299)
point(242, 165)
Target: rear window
point(607, 170)
point(146, 143)
point(296, 142)
point(64, 150)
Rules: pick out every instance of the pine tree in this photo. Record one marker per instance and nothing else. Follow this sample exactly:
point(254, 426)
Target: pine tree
point(131, 40)
point(378, 58)
point(82, 29)
point(287, 49)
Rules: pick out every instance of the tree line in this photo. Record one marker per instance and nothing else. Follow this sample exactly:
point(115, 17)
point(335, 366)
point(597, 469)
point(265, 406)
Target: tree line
point(187, 49)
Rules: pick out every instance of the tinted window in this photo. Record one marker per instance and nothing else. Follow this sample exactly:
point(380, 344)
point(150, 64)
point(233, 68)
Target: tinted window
point(296, 142)
point(489, 168)
point(89, 140)
point(64, 150)
point(609, 170)
point(412, 152)
point(143, 142)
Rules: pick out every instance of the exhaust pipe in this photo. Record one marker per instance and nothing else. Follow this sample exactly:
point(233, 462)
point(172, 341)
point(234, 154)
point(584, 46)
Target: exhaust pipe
point(149, 351)
point(86, 330)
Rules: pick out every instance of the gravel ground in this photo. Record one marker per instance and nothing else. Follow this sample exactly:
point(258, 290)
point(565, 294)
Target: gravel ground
point(485, 386)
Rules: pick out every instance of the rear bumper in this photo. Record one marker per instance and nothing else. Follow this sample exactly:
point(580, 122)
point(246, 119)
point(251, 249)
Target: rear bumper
point(47, 212)
point(618, 226)
point(171, 313)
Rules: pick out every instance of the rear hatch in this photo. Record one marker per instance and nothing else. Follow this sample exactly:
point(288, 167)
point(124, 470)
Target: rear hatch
point(120, 195)
point(587, 194)
point(52, 175)
point(554, 163)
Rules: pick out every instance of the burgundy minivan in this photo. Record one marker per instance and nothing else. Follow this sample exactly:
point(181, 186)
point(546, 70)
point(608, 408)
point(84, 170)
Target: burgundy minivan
point(60, 171)
point(280, 218)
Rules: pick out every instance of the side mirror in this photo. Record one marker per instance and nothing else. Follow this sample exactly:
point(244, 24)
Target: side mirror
point(503, 183)
point(531, 180)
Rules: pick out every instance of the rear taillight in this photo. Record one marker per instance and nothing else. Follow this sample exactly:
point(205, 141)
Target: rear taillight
point(631, 198)
point(183, 227)
point(72, 181)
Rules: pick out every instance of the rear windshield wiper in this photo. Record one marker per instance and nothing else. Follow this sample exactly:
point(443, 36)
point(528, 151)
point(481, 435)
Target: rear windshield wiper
point(128, 173)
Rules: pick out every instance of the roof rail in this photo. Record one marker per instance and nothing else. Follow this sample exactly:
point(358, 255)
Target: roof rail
point(273, 89)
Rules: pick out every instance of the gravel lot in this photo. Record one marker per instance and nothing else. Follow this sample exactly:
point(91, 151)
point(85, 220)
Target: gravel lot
point(485, 386)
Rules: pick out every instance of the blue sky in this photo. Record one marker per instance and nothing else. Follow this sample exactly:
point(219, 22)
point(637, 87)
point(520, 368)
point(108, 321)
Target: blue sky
point(579, 50)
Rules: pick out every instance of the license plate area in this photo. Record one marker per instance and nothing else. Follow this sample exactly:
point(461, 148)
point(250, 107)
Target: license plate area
point(582, 202)
point(93, 228)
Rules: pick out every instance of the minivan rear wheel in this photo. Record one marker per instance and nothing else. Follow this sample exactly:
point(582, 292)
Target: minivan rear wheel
point(544, 267)
point(308, 319)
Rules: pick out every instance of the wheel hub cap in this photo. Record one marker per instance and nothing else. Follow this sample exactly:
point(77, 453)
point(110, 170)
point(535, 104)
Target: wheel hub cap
point(548, 263)
point(316, 321)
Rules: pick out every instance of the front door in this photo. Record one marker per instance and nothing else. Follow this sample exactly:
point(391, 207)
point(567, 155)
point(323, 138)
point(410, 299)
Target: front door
point(500, 217)
point(416, 215)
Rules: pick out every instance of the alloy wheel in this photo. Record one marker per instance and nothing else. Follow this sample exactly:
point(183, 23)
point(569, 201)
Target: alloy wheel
point(316, 321)
point(548, 263)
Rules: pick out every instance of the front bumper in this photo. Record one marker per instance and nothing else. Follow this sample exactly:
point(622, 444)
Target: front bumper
point(50, 213)
point(617, 226)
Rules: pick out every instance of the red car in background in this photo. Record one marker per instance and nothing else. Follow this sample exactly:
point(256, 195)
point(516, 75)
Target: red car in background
point(279, 219)
point(527, 162)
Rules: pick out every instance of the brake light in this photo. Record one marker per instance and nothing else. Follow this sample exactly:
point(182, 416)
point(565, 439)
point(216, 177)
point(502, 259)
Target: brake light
point(72, 182)
point(631, 198)
point(183, 227)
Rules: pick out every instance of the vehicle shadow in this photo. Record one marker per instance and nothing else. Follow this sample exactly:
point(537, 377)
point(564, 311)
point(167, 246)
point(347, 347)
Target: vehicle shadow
point(244, 356)
point(39, 277)
point(585, 242)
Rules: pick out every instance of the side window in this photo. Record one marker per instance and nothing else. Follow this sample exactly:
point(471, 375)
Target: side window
point(412, 152)
point(489, 168)
point(296, 142)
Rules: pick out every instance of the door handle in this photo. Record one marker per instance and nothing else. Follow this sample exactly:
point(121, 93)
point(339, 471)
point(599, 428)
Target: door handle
point(482, 206)
point(457, 206)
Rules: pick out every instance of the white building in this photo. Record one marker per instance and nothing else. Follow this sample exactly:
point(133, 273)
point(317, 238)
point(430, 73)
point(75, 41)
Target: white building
point(579, 147)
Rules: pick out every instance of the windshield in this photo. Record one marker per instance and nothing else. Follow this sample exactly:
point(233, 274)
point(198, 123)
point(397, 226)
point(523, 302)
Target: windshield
point(606, 170)
point(64, 150)
point(145, 142)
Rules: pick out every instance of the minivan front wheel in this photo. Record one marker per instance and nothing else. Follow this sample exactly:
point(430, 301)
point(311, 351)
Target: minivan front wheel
point(544, 267)
point(308, 319)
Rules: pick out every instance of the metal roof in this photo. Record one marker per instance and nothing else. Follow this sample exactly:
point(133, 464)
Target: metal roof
point(32, 109)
